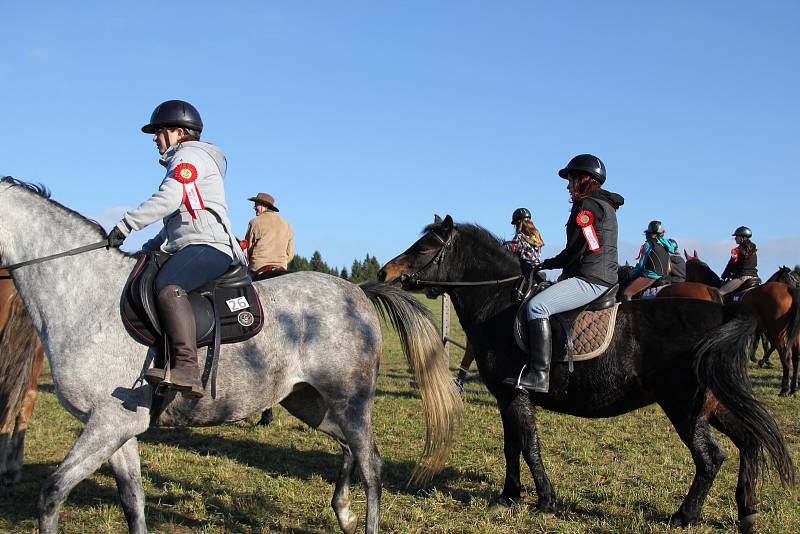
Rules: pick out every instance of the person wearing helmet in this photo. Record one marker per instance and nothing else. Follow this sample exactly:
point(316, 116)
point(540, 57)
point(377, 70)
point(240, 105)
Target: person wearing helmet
point(652, 267)
point(677, 265)
point(196, 233)
point(588, 263)
point(527, 242)
point(743, 264)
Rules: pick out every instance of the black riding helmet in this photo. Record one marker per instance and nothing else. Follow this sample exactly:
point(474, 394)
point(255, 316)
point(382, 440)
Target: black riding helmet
point(743, 231)
point(588, 164)
point(520, 214)
point(174, 114)
point(655, 228)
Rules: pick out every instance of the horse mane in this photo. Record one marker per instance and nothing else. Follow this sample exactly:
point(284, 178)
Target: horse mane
point(44, 192)
point(496, 256)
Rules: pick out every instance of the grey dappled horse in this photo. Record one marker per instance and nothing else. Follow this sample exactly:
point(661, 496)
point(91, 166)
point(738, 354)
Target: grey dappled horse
point(317, 354)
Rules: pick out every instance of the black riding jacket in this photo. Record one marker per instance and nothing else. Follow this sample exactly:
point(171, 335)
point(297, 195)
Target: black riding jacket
point(677, 269)
point(577, 259)
point(740, 264)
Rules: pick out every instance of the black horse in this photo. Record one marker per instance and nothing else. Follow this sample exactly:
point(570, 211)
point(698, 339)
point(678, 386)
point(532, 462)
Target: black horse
point(686, 355)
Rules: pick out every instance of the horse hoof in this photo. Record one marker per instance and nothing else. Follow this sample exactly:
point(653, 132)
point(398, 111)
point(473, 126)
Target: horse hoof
point(501, 505)
point(746, 523)
point(680, 521)
point(783, 393)
point(546, 510)
point(351, 525)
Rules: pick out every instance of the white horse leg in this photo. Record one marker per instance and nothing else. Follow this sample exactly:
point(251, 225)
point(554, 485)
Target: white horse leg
point(127, 471)
point(341, 495)
point(101, 437)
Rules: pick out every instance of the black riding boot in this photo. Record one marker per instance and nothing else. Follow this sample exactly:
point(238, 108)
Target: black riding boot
point(177, 318)
point(537, 372)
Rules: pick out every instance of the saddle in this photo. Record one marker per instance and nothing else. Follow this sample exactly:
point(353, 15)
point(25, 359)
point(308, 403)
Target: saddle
point(226, 310)
point(580, 334)
point(737, 295)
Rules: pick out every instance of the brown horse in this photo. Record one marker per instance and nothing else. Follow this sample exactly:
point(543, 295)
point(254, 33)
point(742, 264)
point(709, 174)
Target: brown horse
point(788, 277)
point(21, 358)
point(777, 306)
point(683, 290)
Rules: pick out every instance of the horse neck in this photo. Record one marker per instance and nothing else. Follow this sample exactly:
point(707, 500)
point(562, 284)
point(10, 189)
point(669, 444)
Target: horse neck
point(474, 304)
point(67, 296)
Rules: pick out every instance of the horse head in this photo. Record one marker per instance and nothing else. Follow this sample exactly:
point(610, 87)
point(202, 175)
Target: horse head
point(692, 257)
point(698, 271)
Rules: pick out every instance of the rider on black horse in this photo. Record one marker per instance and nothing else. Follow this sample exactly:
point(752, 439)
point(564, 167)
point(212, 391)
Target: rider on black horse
point(743, 264)
point(653, 267)
point(589, 264)
point(196, 233)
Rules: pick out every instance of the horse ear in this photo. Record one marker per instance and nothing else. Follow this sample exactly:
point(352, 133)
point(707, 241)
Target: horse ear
point(685, 254)
point(447, 223)
point(437, 219)
point(696, 256)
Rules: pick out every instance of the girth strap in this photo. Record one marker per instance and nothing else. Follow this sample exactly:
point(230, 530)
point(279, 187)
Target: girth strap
point(212, 357)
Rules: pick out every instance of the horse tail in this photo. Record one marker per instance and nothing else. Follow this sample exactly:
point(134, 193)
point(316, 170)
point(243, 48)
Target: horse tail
point(424, 350)
point(721, 366)
point(18, 348)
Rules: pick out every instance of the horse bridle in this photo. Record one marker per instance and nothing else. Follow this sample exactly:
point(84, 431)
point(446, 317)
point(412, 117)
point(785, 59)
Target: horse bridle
point(437, 260)
point(71, 252)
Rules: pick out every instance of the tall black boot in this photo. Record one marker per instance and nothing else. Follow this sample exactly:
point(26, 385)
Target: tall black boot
point(536, 375)
point(177, 318)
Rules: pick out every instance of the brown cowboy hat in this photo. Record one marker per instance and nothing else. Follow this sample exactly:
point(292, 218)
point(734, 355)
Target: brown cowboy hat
point(267, 200)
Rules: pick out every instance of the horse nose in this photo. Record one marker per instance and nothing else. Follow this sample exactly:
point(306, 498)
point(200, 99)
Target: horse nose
point(381, 276)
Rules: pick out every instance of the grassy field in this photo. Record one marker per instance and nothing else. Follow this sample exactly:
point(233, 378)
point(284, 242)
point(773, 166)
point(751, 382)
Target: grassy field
point(626, 474)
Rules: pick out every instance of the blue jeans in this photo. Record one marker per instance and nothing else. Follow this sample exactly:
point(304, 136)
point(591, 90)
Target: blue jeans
point(191, 267)
point(563, 296)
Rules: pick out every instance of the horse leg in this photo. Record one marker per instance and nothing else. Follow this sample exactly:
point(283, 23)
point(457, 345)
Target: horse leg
point(511, 451)
point(785, 353)
point(348, 521)
point(692, 426)
point(6, 430)
point(128, 474)
point(13, 473)
point(525, 413)
point(795, 362)
point(749, 460)
point(101, 437)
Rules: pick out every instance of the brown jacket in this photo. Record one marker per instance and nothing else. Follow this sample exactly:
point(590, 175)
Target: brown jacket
point(271, 241)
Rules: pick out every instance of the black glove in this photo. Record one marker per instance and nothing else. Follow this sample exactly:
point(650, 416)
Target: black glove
point(115, 238)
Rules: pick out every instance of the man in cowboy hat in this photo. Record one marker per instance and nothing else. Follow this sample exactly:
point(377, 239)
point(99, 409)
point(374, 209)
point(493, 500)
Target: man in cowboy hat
point(270, 239)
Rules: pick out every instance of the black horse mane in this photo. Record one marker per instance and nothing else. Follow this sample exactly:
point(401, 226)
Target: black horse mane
point(44, 192)
point(485, 251)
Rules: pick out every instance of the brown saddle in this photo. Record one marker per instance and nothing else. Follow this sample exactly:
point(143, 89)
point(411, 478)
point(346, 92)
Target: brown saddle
point(580, 334)
point(226, 310)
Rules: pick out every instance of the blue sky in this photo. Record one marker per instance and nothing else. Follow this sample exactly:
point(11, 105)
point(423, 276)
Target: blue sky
point(364, 119)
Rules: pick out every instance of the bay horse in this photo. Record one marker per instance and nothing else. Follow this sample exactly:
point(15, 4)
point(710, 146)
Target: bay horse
point(777, 307)
point(317, 354)
point(21, 358)
point(686, 355)
point(682, 290)
point(791, 278)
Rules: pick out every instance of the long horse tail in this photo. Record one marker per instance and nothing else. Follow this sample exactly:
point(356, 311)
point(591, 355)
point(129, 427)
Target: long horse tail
point(721, 366)
point(18, 348)
point(424, 350)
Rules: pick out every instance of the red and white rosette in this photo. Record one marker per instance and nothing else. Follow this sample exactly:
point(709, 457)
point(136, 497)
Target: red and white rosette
point(735, 254)
point(186, 174)
point(585, 220)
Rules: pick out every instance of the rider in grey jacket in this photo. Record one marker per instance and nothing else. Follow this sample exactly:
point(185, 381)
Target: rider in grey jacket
point(196, 233)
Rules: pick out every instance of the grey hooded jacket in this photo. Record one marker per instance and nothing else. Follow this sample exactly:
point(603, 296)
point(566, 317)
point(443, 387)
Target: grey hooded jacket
point(211, 227)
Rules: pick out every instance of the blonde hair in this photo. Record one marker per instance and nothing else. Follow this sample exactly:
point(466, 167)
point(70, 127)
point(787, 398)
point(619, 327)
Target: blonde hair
point(530, 232)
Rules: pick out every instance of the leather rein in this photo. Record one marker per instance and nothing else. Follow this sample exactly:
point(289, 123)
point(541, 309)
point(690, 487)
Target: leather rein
point(71, 252)
point(437, 260)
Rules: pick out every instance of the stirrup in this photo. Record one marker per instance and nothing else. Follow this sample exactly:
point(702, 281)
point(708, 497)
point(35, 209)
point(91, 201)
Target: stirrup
point(519, 379)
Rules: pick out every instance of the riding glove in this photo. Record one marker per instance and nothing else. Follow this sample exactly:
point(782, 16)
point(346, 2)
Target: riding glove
point(115, 238)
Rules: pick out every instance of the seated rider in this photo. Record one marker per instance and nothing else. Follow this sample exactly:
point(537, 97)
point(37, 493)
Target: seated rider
point(677, 265)
point(653, 265)
point(196, 232)
point(527, 244)
point(743, 264)
point(588, 263)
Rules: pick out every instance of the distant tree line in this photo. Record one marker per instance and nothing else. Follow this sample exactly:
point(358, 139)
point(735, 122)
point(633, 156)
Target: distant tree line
point(361, 271)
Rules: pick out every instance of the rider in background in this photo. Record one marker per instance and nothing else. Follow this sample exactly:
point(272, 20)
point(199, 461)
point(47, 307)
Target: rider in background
point(527, 245)
point(588, 263)
point(677, 265)
point(743, 264)
point(196, 233)
point(653, 261)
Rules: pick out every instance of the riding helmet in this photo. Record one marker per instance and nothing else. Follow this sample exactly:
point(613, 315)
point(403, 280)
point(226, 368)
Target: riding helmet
point(743, 231)
point(586, 163)
point(655, 228)
point(520, 214)
point(175, 114)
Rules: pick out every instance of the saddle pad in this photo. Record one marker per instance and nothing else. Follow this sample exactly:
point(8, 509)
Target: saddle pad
point(591, 333)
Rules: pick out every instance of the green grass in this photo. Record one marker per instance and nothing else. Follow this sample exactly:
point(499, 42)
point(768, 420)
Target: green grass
point(626, 474)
